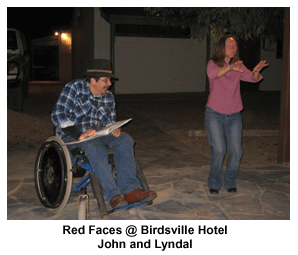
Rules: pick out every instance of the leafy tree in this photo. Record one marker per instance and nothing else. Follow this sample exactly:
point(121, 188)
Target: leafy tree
point(243, 22)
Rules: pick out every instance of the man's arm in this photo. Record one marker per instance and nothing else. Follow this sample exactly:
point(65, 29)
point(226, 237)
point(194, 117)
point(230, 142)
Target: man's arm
point(72, 131)
point(61, 111)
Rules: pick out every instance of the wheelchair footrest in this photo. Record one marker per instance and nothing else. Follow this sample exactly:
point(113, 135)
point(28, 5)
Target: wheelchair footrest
point(78, 190)
point(128, 207)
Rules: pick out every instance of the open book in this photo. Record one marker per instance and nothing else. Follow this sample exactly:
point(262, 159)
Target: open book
point(105, 131)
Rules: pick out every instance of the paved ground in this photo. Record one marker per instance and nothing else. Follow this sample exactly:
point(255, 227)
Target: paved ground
point(175, 165)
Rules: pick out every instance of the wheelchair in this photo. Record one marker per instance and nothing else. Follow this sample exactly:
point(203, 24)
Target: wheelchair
point(54, 170)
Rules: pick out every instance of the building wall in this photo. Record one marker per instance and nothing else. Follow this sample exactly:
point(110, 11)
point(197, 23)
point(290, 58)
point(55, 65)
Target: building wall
point(159, 65)
point(272, 76)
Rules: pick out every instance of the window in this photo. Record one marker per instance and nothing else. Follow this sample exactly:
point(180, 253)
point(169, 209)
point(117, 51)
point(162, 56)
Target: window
point(12, 43)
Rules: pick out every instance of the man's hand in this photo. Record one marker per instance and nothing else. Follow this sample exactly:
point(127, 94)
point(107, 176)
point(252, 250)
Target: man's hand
point(87, 134)
point(116, 132)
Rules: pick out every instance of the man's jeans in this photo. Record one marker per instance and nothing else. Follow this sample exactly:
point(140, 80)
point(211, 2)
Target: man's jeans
point(124, 162)
point(219, 128)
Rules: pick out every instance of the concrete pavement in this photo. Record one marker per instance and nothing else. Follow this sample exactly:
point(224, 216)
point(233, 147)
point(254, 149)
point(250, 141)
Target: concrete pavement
point(176, 171)
point(179, 177)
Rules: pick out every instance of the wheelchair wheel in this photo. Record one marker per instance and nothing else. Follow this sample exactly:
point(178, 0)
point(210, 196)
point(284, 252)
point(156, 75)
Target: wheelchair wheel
point(52, 174)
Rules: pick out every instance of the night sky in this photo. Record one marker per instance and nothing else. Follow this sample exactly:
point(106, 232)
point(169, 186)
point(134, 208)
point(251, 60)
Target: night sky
point(37, 22)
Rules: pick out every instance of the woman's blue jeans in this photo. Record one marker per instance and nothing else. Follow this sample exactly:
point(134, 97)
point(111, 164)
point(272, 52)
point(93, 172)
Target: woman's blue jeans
point(124, 162)
point(221, 128)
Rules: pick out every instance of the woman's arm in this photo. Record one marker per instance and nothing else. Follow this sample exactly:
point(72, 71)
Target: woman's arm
point(258, 68)
point(235, 67)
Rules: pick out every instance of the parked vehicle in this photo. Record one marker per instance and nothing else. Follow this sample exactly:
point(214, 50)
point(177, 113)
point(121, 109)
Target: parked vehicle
point(18, 69)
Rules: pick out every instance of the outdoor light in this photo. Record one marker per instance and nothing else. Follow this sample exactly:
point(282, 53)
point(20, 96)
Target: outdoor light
point(66, 39)
point(56, 33)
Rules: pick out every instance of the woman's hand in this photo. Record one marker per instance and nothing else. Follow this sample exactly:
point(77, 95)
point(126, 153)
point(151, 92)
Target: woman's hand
point(88, 133)
point(237, 66)
point(260, 66)
point(116, 132)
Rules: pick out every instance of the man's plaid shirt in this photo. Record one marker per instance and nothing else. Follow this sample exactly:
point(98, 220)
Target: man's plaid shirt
point(77, 106)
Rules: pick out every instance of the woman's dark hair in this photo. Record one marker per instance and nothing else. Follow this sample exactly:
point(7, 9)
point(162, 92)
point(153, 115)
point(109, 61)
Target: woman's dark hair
point(218, 56)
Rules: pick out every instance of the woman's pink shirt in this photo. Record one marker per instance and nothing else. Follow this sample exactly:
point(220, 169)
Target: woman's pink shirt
point(225, 94)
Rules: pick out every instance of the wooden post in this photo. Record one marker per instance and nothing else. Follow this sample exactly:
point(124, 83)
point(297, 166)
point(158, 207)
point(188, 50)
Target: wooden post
point(207, 89)
point(283, 156)
point(112, 50)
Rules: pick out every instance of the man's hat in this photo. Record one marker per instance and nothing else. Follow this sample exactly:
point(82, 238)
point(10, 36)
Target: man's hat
point(100, 68)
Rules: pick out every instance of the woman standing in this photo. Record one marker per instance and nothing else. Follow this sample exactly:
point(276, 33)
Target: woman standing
point(223, 119)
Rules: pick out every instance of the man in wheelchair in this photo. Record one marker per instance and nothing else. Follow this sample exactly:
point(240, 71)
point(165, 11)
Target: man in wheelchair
point(86, 106)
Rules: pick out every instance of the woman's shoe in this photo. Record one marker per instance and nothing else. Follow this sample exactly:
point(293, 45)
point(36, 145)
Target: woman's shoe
point(232, 190)
point(213, 191)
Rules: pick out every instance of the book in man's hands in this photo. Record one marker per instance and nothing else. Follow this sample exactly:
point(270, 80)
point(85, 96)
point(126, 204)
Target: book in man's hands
point(105, 131)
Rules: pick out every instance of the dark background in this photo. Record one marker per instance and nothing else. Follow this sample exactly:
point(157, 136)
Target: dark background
point(37, 22)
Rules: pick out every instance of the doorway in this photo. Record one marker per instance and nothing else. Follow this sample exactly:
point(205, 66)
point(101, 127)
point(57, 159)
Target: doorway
point(249, 51)
point(46, 63)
